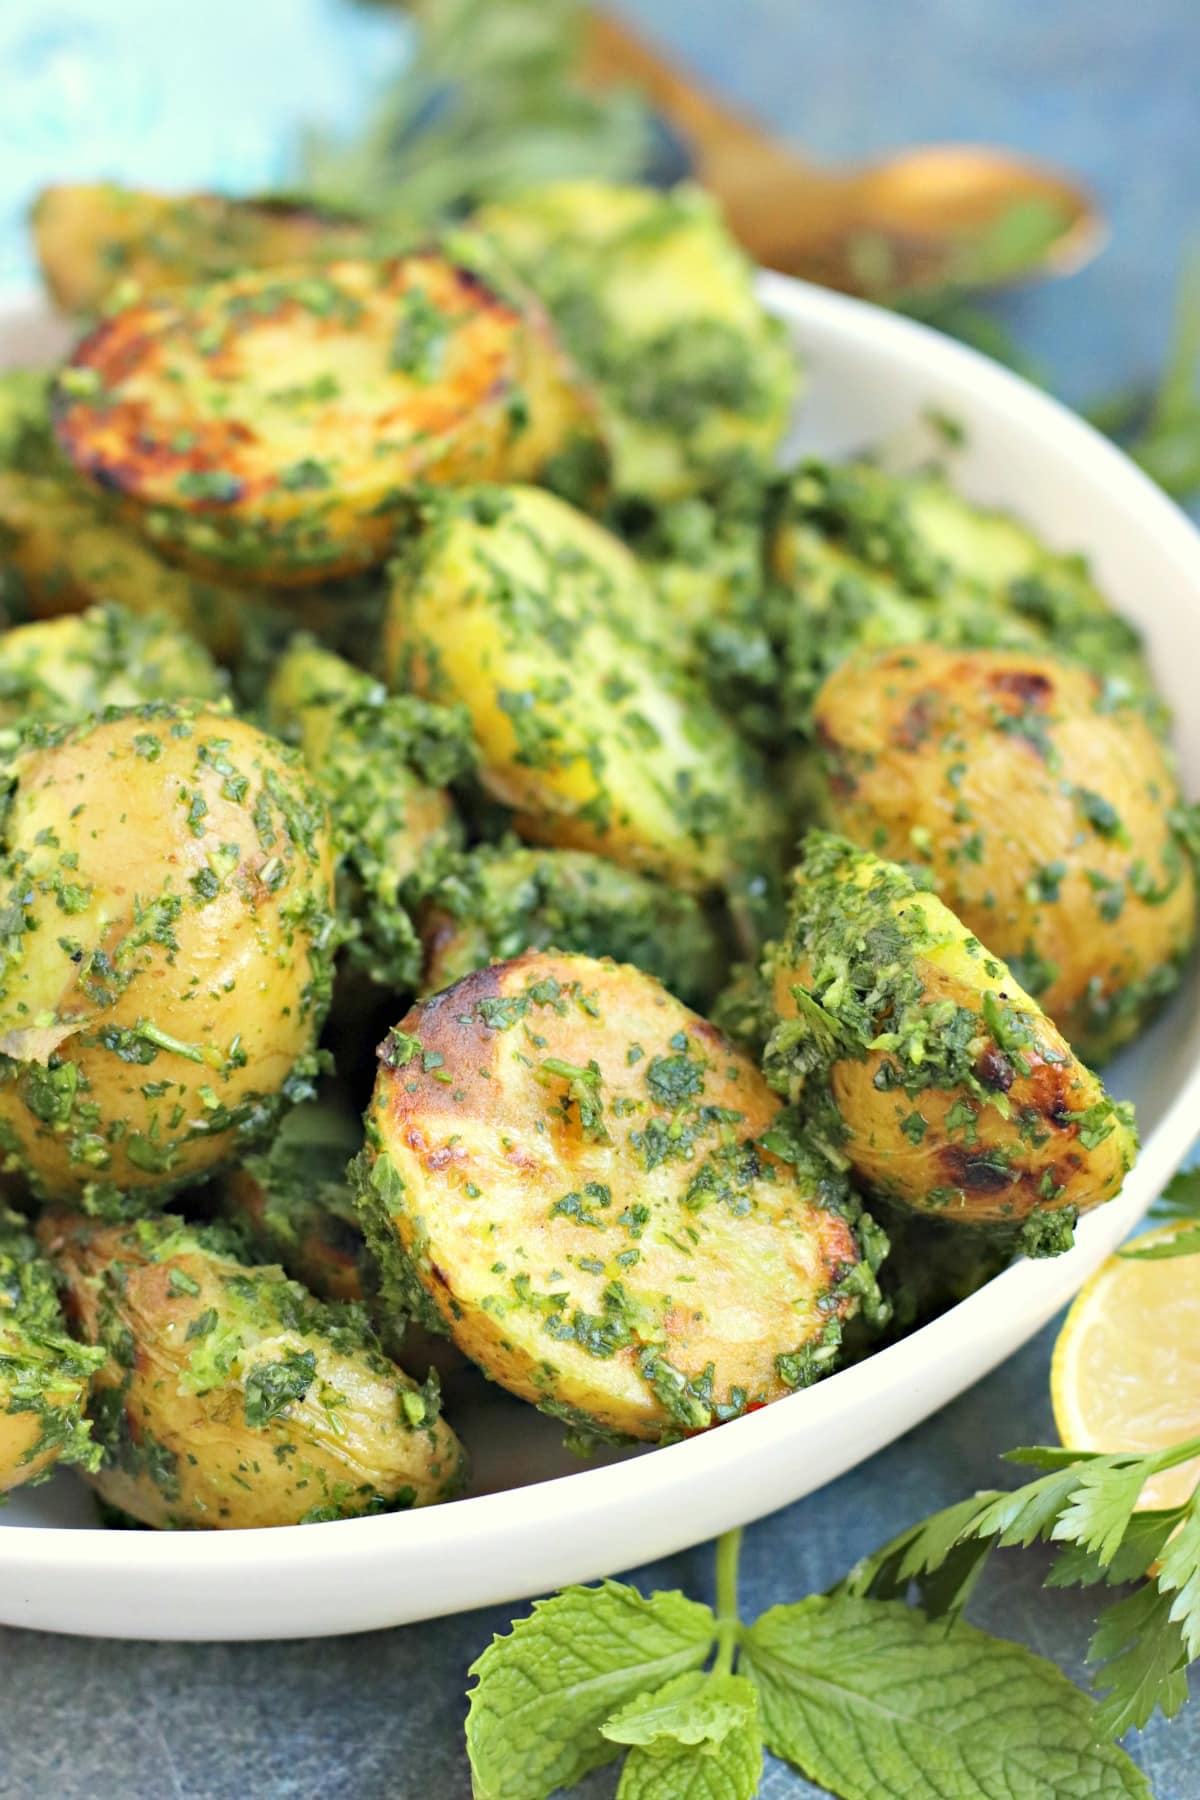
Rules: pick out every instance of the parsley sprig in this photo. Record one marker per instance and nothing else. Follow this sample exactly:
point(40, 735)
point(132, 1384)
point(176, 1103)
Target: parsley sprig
point(870, 1687)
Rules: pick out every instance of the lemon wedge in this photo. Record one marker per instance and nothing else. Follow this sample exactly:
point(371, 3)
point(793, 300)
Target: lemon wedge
point(1126, 1368)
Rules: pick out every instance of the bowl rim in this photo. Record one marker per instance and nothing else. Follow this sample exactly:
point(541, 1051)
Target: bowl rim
point(680, 1483)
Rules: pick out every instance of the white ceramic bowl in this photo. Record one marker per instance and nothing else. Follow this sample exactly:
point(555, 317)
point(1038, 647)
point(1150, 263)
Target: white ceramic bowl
point(535, 1519)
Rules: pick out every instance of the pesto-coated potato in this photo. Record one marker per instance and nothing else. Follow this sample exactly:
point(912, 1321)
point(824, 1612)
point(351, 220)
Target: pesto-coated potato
point(863, 560)
point(542, 624)
point(565, 1170)
point(230, 1398)
point(382, 762)
point(91, 238)
point(62, 553)
point(924, 1067)
point(80, 664)
point(168, 932)
point(657, 303)
point(1044, 808)
point(500, 901)
point(44, 1373)
point(272, 427)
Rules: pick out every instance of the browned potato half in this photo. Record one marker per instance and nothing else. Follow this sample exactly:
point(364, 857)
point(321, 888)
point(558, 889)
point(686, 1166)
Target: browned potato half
point(168, 879)
point(229, 1397)
point(1043, 807)
point(93, 237)
point(272, 427)
point(924, 1067)
point(542, 624)
point(565, 1170)
point(44, 1373)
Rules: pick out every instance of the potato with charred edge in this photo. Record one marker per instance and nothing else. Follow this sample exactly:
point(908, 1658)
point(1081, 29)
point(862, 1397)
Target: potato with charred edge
point(923, 1067)
point(72, 667)
point(272, 427)
point(501, 900)
point(92, 238)
point(1044, 808)
point(656, 301)
point(229, 1397)
point(566, 1170)
point(167, 944)
point(44, 1373)
point(383, 762)
point(542, 624)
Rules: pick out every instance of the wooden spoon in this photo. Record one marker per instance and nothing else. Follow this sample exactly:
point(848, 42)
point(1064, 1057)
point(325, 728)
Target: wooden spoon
point(937, 215)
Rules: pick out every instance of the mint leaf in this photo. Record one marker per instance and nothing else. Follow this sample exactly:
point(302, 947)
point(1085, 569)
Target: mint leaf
point(692, 1709)
point(725, 1767)
point(873, 1701)
point(543, 1692)
point(1145, 1661)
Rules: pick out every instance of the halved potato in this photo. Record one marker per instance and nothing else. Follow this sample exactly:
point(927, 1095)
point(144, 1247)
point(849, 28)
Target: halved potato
point(230, 1398)
point(1044, 809)
point(544, 626)
point(924, 1067)
point(71, 667)
point(44, 1373)
point(499, 901)
point(565, 1169)
point(168, 878)
point(656, 301)
point(272, 427)
point(383, 761)
point(90, 237)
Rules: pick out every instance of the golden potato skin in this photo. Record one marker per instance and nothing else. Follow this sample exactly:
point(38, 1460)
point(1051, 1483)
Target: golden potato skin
point(92, 237)
point(923, 1065)
point(230, 1398)
point(542, 625)
point(272, 427)
point(656, 302)
point(44, 1374)
point(70, 667)
point(546, 1176)
point(169, 882)
point(1042, 808)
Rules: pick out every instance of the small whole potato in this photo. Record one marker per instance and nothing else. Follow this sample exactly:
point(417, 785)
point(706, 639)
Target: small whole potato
point(230, 1398)
point(1044, 808)
point(82, 663)
point(543, 625)
point(44, 1373)
point(168, 939)
point(923, 1066)
point(569, 1172)
point(272, 427)
point(500, 901)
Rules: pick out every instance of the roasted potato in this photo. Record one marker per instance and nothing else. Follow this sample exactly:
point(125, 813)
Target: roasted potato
point(502, 900)
point(382, 762)
point(44, 1373)
point(862, 560)
point(272, 427)
point(565, 1169)
point(93, 237)
point(168, 935)
point(541, 623)
point(26, 441)
point(229, 1397)
point(72, 667)
point(924, 1067)
point(1044, 808)
point(657, 303)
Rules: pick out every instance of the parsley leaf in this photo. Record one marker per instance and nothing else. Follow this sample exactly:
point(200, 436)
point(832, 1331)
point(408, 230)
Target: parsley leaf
point(870, 1698)
point(1178, 1203)
point(543, 1692)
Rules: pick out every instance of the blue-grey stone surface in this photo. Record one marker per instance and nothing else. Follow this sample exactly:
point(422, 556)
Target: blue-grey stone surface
point(1110, 89)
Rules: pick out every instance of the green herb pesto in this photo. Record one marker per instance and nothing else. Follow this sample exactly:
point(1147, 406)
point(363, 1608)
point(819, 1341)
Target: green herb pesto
point(44, 1373)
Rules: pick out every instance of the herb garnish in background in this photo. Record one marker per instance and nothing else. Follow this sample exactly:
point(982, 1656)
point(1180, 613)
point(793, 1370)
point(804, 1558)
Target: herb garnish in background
point(876, 1686)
